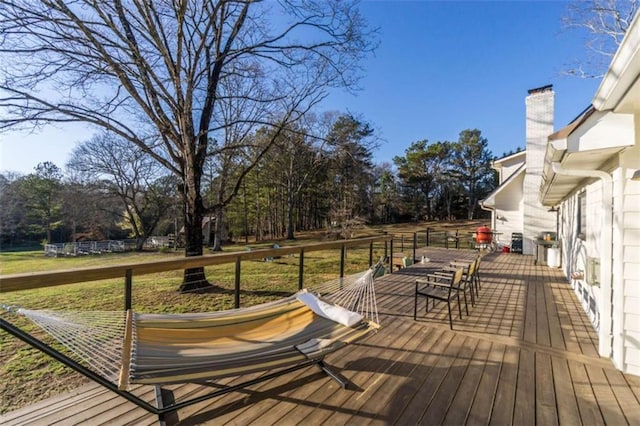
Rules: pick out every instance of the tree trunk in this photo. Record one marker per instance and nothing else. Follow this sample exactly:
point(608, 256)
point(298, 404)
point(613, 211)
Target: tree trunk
point(194, 278)
point(290, 203)
point(140, 243)
point(217, 233)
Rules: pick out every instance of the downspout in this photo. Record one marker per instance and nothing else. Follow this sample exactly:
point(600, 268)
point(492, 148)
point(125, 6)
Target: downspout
point(605, 334)
point(493, 213)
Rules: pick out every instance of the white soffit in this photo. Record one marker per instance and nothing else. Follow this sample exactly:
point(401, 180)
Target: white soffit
point(601, 131)
point(586, 145)
point(619, 90)
point(518, 157)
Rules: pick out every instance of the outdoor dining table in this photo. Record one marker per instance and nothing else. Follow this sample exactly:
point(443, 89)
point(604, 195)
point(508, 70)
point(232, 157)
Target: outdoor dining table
point(396, 261)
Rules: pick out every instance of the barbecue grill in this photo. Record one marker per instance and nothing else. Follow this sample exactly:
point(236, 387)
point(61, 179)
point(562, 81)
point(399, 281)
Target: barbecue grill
point(545, 241)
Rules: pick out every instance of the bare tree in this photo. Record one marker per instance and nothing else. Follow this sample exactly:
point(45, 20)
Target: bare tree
point(128, 174)
point(605, 22)
point(153, 72)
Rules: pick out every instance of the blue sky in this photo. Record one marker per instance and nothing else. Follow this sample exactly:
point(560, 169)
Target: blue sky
point(441, 67)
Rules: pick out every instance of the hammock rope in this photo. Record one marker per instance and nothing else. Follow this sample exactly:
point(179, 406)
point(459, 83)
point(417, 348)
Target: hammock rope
point(355, 293)
point(98, 337)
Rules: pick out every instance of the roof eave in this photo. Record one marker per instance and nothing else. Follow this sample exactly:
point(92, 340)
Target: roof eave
point(588, 145)
point(623, 71)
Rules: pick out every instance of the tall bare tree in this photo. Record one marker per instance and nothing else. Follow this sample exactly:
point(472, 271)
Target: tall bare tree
point(605, 23)
point(152, 72)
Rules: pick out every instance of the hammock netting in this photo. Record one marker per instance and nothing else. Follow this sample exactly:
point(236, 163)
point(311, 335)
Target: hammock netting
point(135, 348)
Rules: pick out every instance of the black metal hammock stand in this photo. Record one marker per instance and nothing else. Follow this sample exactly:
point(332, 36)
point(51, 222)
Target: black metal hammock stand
point(120, 349)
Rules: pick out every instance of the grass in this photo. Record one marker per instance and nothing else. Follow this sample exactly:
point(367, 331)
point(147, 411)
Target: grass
point(27, 375)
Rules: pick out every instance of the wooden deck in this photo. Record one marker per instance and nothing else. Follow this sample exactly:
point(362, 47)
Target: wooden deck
point(527, 354)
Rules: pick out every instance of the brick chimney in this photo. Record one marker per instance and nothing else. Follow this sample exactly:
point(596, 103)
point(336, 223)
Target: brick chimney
point(539, 125)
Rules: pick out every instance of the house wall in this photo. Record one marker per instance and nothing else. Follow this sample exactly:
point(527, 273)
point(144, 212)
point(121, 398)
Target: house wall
point(539, 125)
point(625, 273)
point(626, 256)
point(508, 212)
point(577, 248)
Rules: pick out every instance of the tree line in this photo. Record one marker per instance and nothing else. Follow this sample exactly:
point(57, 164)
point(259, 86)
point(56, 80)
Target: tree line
point(318, 175)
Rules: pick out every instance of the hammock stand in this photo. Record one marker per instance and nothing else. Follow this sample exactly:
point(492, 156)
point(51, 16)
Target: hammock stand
point(162, 409)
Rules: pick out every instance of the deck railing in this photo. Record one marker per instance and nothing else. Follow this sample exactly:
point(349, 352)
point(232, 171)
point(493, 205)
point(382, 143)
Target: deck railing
point(127, 272)
point(401, 241)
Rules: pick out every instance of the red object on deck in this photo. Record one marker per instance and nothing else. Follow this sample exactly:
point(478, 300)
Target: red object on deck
point(483, 235)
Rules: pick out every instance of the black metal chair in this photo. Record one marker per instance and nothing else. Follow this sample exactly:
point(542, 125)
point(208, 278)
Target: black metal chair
point(444, 285)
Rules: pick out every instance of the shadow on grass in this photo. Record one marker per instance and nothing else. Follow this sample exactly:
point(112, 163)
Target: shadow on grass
point(217, 290)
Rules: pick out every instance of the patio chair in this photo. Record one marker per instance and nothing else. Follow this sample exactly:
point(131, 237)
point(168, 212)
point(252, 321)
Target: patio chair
point(444, 286)
point(469, 277)
point(477, 274)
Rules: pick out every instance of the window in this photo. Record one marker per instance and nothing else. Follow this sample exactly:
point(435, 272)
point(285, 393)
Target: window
point(582, 215)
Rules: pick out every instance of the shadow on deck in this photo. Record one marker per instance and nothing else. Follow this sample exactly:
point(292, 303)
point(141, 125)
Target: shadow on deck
point(526, 354)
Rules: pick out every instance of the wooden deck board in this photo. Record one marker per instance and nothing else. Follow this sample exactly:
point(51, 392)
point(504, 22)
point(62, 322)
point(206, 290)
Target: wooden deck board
point(568, 412)
point(382, 402)
point(402, 397)
point(504, 403)
point(464, 395)
point(525, 398)
point(546, 409)
point(427, 390)
point(368, 366)
point(611, 411)
point(480, 410)
point(526, 354)
point(447, 391)
point(587, 403)
point(354, 404)
point(624, 395)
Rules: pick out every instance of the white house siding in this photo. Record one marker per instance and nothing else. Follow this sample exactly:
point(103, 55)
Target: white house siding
point(625, 256)
point(539, 125)
point(508, 212)
point(576, 250)
point(627, 263)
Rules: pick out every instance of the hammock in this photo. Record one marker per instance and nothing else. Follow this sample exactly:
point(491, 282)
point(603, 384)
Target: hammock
point(129, 348)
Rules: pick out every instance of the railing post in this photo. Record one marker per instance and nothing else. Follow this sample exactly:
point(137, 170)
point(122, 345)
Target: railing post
point(236, 292)
point(343, 252)
point(457, 239)
point(370, 254)
point(127, 289)
point(427, 236)
point(391, 256)
point(301, 270)
point(401, 242)
point(415, 243)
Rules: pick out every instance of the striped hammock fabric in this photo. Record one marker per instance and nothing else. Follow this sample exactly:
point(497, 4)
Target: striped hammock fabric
point(178, 348)
point(134, 348)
